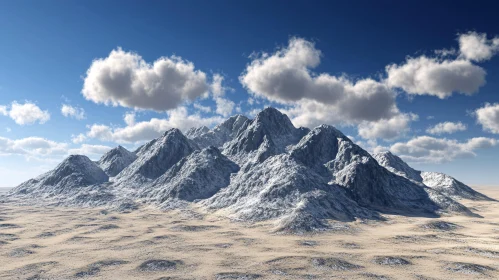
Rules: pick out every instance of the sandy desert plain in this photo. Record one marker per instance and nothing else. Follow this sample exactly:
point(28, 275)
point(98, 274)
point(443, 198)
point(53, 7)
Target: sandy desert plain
point(70, 243)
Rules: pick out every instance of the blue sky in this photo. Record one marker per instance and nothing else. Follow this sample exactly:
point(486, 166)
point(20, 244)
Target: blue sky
point(319, 61)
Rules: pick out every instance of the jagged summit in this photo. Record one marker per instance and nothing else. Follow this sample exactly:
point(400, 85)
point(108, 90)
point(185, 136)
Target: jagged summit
point(155, 158)
point(440, 182)
point(220, 134)
point(270, 133)
point(331, 153)
point(77, 167)
point(320, 146)
point(396, 165)
point(197, 176)
point(194, 132)
point(450, 186)
point(275, 121)
point(114, 161)
point(74, 172)
point(232, 124)
point(254, 170)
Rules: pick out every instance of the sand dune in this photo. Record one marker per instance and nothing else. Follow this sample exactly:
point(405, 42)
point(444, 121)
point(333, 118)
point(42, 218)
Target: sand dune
point(70, 243)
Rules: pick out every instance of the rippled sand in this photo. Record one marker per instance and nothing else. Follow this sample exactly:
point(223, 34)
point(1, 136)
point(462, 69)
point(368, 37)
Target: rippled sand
point(66, 243)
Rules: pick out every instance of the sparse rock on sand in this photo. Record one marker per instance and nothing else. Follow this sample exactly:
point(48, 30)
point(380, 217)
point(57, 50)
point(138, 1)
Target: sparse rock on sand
point(333, 264)
point(237, 275)
point(159, 265)
point(440, 226)
point(151, 244)
point(468, 268)
point(388, 260)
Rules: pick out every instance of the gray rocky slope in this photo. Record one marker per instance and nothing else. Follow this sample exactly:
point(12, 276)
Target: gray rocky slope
point(440, 182)
point(250, 170)
point(74, 173)
point(117, 159)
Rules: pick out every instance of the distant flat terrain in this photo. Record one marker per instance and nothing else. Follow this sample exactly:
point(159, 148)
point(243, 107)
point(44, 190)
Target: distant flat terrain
point(4, 190)
point(70, 243)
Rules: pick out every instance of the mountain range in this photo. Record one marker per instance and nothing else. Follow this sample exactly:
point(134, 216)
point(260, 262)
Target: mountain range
point(260, 169)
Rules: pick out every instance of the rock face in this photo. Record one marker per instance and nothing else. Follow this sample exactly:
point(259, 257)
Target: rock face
point(282, 188)
point(196, 132)
point(254, 170)
point(221, 134)
point(396, 165)
point(270, 133)
point(74, 172)
point(329, 151)
point(155, 158)
point(117, 159)
point(439, 182)
point(197, 176)
point(450, 186)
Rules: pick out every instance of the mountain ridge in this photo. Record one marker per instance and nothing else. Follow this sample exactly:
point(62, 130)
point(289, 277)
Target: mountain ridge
point(254, 170)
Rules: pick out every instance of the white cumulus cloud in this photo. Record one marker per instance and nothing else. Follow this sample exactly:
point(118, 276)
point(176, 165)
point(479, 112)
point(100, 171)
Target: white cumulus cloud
point(452, 71)
point(147, 130)
point(439, 150)
point(31, 146)
point(78, 138)
point(126, 79)
point(73, 112)
point(205, 109)
point(446, 127)
point(225, 107)
point(488, 117)
point(433, 76)
point(475, 46)
point(25, 114)
point(91, 151)
point(3, 110)
point(286, 77)
point(387, 129)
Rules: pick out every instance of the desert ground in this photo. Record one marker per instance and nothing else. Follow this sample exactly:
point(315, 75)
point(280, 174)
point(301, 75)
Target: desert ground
point(69, 243)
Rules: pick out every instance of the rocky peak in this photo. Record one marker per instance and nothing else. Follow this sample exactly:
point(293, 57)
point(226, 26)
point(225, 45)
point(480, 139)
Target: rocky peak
point(319, 146)
point(271, 132)
point(114, 161)
point(79, 166)
point(219, 135)
point(157, 157)
point(197, 176)
point(232, 124)
point(196, 131)
point(275, 121)
point(396, 165)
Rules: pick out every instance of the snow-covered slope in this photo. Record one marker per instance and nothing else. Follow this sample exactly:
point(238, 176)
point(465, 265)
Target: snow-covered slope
point(196, 132)
point(439, 182)
point(114, 161)
point(220, 134)
point(450, 186)
point(270, 133)
point(155, 158)
point(396, 165)
point(282, 188)
point(197, 176)
point(327, 150)
point(73, 173)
